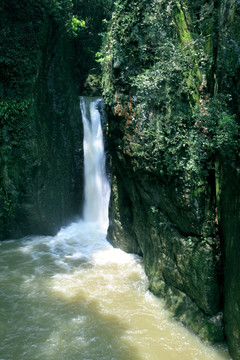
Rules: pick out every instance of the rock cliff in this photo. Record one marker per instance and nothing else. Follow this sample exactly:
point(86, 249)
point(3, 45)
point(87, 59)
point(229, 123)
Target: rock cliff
point(228, 70)
point(171, 85)
point(41, 130)
point(170, 79)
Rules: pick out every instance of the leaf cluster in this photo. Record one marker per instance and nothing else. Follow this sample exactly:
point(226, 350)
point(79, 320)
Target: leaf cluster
point(191, 145)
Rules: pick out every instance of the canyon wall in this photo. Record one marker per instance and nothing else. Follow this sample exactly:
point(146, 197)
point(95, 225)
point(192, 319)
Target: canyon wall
point(170, 73)
point(41, 130)
point(170, 80)
point(228, 71)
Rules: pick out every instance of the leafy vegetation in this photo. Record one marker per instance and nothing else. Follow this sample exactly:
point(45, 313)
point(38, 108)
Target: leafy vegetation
point(88, 26)
point(162, 56)
point(189, 145)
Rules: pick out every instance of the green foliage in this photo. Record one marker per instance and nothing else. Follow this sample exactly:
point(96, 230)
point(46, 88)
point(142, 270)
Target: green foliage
point(87, 40)
point(75, 26)
point(15, 150)
point(145, 37)
point(154, 209)
point(168, 78)
point(215, 132)
point(13, 121)
point(157, 52)
point(59, 10)
point(185, 145)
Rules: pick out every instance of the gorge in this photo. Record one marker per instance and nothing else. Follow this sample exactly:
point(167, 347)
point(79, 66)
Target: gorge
point(73, 296)
point(170, 81)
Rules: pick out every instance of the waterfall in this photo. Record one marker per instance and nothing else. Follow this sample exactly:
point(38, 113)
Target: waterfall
point(96, 184)
point(74, 296)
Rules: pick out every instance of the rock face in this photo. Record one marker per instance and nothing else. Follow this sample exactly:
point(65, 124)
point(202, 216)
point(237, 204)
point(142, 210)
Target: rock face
point(164, 221)
point(230, 212)
point(172, 131)
point(229, 179)
point(41, 130)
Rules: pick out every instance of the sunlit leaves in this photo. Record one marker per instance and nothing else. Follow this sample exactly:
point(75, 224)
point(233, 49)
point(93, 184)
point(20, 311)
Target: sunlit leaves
point(74, 26)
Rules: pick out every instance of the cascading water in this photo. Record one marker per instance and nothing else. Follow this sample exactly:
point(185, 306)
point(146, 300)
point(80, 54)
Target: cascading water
point(97, 190)
point(75, 297)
